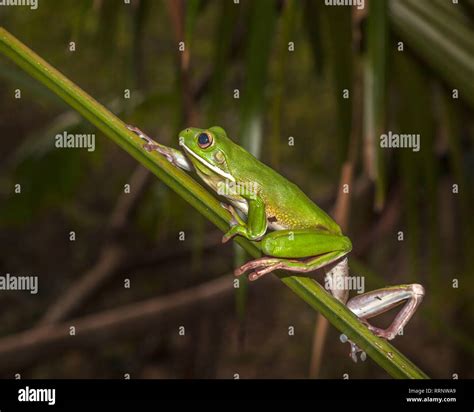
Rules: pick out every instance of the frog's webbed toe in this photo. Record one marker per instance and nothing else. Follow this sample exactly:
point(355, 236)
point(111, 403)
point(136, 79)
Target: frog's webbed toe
point(258, 266)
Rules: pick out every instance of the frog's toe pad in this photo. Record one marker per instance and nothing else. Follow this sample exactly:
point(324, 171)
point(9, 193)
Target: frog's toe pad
point(229, 235)
point(226, 238)
point(354, 349)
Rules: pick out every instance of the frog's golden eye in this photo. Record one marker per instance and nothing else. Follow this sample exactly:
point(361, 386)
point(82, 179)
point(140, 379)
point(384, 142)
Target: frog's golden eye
point(204, 140)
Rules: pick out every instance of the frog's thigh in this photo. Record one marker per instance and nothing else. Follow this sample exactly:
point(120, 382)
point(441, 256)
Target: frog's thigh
point(294, 244)
point(296, 251)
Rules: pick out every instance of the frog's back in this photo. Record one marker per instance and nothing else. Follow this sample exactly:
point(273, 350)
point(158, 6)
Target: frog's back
point(286, 205)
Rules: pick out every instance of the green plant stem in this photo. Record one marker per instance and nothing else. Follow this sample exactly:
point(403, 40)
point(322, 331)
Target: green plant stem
point(389, 358)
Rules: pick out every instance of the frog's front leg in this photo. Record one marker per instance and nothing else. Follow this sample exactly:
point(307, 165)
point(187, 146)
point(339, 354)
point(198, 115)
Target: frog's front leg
point(256, 224)
point(174, 156)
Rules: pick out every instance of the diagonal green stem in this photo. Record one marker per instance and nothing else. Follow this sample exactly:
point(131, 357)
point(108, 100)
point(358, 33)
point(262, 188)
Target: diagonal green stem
point(389, 358)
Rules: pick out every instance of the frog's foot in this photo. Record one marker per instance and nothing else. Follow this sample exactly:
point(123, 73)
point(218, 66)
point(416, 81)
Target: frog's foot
point(141, 134)
point(150, 144)
point(354, 349)
point(262, 266)
point(235, 229)
point(259, 267)
point(175, 157)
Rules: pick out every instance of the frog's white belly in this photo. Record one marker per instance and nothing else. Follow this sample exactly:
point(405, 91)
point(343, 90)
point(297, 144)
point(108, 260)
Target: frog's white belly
point(240, 205)
point(276, 226)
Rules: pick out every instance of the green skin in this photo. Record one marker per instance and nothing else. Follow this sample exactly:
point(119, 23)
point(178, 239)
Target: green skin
point(304, 237)
point(305, 230)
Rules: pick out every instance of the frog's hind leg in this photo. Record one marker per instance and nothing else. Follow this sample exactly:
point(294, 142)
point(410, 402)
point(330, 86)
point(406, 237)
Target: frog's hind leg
point(374, 303)
point(296, 251)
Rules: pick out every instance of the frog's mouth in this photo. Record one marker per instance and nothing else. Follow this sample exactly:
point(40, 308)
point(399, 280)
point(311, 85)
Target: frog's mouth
point(206, 164)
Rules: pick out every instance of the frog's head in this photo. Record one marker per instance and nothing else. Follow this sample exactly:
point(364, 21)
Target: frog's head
point(208, 150)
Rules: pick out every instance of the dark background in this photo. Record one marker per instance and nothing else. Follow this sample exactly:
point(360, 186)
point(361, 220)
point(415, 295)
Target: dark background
point(283, 93)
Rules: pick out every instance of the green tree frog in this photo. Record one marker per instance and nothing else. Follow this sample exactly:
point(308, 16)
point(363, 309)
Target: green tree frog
point(292, 232)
